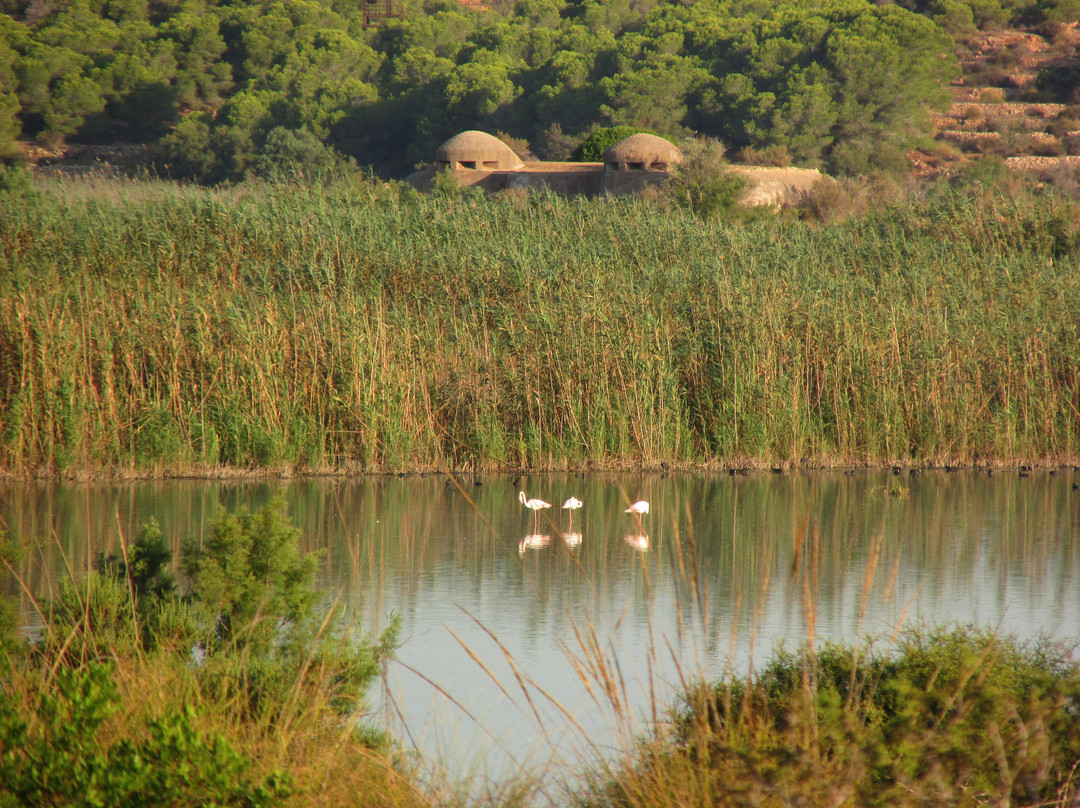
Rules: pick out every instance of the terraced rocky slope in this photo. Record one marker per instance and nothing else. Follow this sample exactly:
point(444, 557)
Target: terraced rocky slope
point(1002, 107)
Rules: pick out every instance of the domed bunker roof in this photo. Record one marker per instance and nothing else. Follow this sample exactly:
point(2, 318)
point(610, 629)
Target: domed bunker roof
point(477, 151)
point(642, 152)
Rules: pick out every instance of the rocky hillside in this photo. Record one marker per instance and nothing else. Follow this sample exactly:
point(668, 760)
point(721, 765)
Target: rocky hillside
point(1000, 109)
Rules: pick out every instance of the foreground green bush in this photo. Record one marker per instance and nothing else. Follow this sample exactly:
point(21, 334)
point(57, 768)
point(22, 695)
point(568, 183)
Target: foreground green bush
point(242, 691)
point(958, 717)
point(60, 758)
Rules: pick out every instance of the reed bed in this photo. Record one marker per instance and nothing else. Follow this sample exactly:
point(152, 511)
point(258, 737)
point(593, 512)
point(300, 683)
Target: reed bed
point(148, 329)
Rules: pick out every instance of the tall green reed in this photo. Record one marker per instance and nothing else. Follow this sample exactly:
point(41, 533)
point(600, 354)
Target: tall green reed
point(155, 329)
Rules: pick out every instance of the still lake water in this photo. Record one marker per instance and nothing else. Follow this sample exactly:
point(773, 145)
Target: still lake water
point(523, 648)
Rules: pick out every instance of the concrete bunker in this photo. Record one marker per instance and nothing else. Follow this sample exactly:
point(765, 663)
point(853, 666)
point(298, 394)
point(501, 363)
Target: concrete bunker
point(479, 160)
point(475, 151)
point(642, 152)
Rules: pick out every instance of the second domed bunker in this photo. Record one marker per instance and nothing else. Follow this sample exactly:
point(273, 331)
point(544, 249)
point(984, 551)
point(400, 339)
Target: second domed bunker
point(642, 152)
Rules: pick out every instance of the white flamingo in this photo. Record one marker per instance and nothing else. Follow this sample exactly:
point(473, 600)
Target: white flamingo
point(638, 508)
point(535, 505)
point(571, 505)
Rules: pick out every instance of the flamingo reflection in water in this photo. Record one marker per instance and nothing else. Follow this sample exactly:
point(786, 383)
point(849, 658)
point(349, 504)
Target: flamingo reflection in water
point(638, 542)
point(534, 541)
point(571, 540)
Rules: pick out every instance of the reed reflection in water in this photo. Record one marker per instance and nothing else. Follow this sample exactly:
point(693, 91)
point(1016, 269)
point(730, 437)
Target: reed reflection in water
point(525, 645)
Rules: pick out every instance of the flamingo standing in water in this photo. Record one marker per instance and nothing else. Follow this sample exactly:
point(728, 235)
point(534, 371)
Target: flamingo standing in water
point(570, 505)
point(638, 508)
point(535, 505)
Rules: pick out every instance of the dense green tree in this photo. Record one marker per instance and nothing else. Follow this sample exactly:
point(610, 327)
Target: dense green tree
point(827, 80)
point(54, 91)
point(592, 148)
point(652, 83)
point(202, 78)
point(702, 182)
point(295, 152)
point(477, 89)
point(842, 83)
point(188, 151)
point(1058, 11)
point(10, 126)
point(79, 28)
point(139, 86)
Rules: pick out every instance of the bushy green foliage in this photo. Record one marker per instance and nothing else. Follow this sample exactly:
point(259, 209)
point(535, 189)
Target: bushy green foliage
point(90, 621)
point(702, 181)
point(211, 87)
point(250, 616)
point(295, 153)
point(254, 605)
point(946, 714)
point(249, 579)
point(592, 148)
point(59, 757)
point(15, 181)
point(128, 696)
point(146, 567)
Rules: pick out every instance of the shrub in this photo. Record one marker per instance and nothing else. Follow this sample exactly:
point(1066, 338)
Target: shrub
point(702, 181)
point(296, 153)
point(260, 635)
point(15, 181)
point(988, 14)
point(765, 156)
point(518, 146)
point(591, 150)
point(59, 758)
point(1045, 148)
point(1062, 125)
point(1061, 82)
point(445, 184)
point(834, 201)
point(188, 152)
point(947, 715)
point(974, 115)
point(860, 158)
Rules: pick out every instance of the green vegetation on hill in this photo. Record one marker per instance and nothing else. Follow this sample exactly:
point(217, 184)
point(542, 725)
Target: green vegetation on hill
point(226, 89)
point(153, 329)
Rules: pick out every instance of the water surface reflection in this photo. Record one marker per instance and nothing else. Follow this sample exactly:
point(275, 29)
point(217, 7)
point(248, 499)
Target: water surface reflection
point(527, 636)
